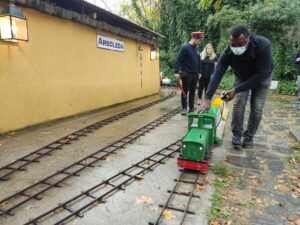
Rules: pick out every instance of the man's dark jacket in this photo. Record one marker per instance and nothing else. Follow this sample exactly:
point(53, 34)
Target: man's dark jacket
point(188, 59)
point(253, 67)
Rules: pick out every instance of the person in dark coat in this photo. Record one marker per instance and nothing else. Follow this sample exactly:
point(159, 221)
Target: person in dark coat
point(188, 69)
point(250, 57)
point(208, 64)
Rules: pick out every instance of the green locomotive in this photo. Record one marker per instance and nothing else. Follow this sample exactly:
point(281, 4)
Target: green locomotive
point(203, 132)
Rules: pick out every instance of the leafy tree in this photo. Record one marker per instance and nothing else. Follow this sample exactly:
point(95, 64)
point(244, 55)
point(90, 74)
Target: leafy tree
point(144, 12)
point(276, 20)
point(178, 19)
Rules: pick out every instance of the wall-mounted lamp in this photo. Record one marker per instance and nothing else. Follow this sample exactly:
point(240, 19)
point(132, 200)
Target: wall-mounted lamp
point(141, 48)
point(154, 53)
point(13, 24)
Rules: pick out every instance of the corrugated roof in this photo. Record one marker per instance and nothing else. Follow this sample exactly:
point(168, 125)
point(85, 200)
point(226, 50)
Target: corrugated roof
point(94, 16)
point(120, 19)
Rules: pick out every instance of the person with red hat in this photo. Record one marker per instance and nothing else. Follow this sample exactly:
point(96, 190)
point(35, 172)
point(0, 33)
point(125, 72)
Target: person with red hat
point(188, 69)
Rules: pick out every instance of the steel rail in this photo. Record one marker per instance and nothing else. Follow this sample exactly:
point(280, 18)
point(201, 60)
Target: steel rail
point(35, 156)
point(54, 181)
point(142, 166)
point(174, 192)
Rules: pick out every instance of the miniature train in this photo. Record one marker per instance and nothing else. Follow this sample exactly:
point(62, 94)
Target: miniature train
point(204, 129)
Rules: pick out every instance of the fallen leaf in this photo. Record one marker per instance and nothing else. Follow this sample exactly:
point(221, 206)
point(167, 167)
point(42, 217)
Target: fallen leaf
point(95, 204)
point(144, 200)
point(108, 158)
point(226, 159)
point(206, 180)
point(259, 201)
point(200, 187)
point(4, 203)
point(45, 133)
point(214, 223)
point(29, 207)
point(235, 209)
point(155, 209)
point(74, 221)
point(139, 177)
point(291, 218)
point(294, 196)
point(252, 177)
point(168, 214)
point(293, 177)
point(232, 192)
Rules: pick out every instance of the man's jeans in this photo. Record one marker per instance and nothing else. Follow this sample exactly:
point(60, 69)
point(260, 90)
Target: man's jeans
point(189, 83)
point(257, 102)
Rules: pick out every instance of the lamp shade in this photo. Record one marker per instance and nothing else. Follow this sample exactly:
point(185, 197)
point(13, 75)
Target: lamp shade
point(13, 24)
point(154, 53)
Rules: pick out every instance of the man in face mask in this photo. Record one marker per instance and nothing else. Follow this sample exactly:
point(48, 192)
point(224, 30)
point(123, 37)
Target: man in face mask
point(250, 58)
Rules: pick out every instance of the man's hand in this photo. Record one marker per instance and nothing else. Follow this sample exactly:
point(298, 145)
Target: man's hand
point(199, 76)
point(230, 95)
point(177, 76)
point(204, 106)
point(298, 59)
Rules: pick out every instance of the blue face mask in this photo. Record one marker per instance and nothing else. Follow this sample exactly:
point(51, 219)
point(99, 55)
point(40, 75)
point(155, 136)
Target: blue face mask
point(239, 50)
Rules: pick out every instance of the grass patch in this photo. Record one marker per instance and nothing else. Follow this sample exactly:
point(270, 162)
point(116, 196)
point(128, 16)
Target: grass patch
point(295, 157)
point(218, 184)
point(217, 200)
point(247, 203)
point(222, 171)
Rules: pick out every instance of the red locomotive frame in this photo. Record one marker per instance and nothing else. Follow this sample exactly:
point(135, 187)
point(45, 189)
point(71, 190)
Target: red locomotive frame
point(193, 165)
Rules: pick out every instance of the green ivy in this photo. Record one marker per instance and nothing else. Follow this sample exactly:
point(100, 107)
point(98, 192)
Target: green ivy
point(278, 20)
point(287, 87)
point(227, 81)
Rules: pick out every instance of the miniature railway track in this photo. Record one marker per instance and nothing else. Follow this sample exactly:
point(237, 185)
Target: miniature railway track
point(18, 199)
point(35, 156)
point(76, 206)
point(175, 192)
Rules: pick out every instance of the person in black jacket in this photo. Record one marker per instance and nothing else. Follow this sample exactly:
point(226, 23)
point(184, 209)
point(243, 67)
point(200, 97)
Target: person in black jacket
point(250, 58)
point(208, 64)
point(188, 69)
point(297, 60)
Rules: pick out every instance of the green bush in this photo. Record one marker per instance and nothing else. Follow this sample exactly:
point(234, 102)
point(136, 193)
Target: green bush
point(287, 87)
point(167, 62)
point(227, 81)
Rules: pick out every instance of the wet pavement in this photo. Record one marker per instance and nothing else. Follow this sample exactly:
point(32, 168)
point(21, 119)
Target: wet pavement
point(123, 207)
point(266, 178)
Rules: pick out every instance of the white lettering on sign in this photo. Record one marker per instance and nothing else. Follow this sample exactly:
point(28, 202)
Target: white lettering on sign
point(109, 43)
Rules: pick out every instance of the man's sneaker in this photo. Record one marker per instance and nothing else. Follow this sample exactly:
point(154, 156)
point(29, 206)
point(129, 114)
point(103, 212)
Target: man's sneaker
point(236, 141)
point(199, 102)
point(247, 141)
point(183, 111)
point(191, 110)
